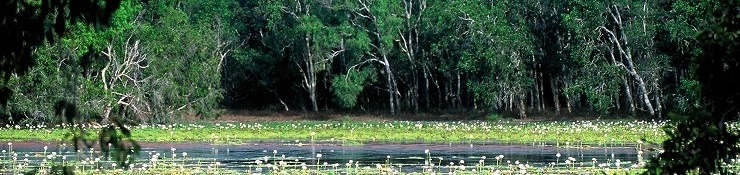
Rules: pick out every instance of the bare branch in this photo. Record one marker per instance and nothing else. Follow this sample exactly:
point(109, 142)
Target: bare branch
point(124, 71)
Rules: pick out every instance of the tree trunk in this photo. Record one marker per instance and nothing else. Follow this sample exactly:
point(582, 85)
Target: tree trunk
point(426, 88)
point(628, 96)
point(541, 95)
point(511, 102)
point(410, 43)
point(628, 65)
point(617, 101)
point(537, 91)
point(555, 93)
point(568, 100)
point(531, 97)
point(448, 93)
point(309, 75)
point(458, 95)
point(439, 93)
point(391, 86)
point(522, 107)
point(646, 99)
point(658, 94)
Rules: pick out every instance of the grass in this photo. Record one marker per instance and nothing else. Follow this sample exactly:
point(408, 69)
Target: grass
point(561, 133)
point(92, 162)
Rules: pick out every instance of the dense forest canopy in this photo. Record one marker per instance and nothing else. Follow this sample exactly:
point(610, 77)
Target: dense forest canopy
point(74, 61)
point(160, 60)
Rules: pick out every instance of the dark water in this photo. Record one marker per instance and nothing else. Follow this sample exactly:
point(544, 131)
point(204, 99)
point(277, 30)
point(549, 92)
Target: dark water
point(410, 156)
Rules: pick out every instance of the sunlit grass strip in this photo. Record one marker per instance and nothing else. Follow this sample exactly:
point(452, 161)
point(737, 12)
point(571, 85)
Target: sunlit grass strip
point(574, 133)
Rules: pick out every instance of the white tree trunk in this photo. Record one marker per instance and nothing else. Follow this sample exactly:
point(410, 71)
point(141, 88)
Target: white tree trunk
point(627, 64)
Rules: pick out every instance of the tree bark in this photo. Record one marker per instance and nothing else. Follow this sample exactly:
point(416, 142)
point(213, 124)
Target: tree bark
point(628, 65)
point(555, 93)
point(522, 107)
point(658, 94)
point(426, 87)
point(568, 100)
point(310, 74)
point(458, 96)
point(628, 96)
point(380, 54)
point(410, 45)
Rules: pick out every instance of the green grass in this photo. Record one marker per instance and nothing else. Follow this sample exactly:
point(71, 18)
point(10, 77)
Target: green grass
point(562, 133)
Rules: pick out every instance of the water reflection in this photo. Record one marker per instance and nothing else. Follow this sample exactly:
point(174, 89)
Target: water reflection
point(410, 156)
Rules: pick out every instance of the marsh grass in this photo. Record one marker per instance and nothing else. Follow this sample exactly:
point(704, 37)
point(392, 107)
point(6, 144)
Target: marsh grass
point(585, 133)
point(563, 134)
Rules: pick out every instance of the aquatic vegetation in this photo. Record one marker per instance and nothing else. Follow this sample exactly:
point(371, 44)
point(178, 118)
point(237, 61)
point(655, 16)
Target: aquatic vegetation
point(563, 135)
point(155, 162)
point(559, 133)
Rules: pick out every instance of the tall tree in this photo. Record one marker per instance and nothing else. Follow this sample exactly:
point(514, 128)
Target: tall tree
point(625, 52)
point(413, 11)
point(380, 20)
point(319, 43)
point(28, 25)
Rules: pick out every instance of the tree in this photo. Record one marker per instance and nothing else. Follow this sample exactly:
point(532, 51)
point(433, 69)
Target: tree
point(319, 43)
point(702, 142)
point(185, 78)
point(622, 48)
point(413, 11)
point(26, 23)
point(379, 19)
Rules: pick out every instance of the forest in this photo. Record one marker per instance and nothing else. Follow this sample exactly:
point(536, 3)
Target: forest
point(159, 60)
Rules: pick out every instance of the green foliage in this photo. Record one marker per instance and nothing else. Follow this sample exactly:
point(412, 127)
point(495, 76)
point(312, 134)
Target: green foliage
point(170, 80)
point(504, 51)
point(183, 78)
point(28, 25)
point(346, 88)
point(191, 56)
point(704, 142)
point(493, 117)
point(439, 54)
point(696, 145)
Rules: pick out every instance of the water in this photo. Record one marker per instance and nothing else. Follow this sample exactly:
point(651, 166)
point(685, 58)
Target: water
point(406, 157)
